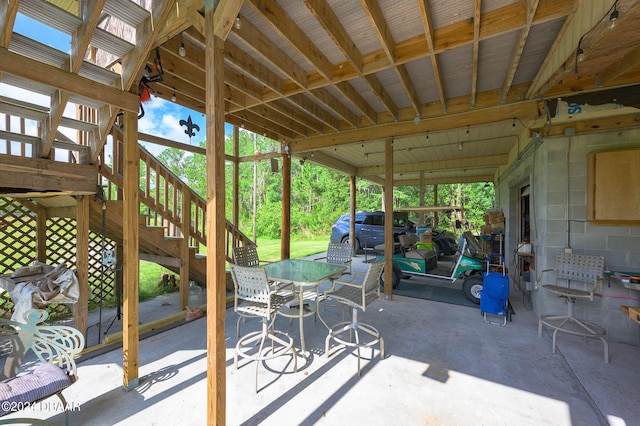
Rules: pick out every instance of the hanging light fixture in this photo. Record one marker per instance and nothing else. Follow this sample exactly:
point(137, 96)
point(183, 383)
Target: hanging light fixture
point(238, 23)
point(613, 18)
point(181, 50)
point(173, 97)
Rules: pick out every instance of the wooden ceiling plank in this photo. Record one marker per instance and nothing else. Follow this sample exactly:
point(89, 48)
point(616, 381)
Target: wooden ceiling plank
point(445, 180)
point(518, 48)
point(358, 101)
point(281, 23)
point(270, 112)
point(248, 116)
point(240, 122)
point(425, 14)
point(379, 25)
point(248, 65)
point(476, 51)
point(8, 12)
point(308, 105)
point(323, 13)
point(297, 114)
point(379, 90)
point(324, 96)
point(269, 52)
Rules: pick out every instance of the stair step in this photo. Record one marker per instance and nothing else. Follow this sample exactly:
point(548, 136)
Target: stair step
point(22, 109)
point(111, 43)
point(78, 124)
point(33, 49)
point(126, 11)
point(50, 15)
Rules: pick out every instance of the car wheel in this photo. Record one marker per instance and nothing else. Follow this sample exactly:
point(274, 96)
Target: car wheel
point(346, 240)
point(396, 274)
point(472, 287)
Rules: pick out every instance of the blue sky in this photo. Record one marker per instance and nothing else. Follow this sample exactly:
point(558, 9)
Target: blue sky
point(161, 117)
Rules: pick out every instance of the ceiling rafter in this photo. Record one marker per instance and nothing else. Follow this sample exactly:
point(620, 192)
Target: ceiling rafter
point(476, 51)
point(244, 64)
point(425, 14)
point(518, 48)
point(379, 25)
point(290, 32)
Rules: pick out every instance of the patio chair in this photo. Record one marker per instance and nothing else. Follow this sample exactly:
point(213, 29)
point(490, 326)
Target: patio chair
point(357, 296)
point(247, 256)
point(255, 297)
point(574, 268)
point(338, 254)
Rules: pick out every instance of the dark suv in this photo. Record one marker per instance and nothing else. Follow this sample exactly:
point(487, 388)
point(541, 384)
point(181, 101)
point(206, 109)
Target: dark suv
point(370, 228)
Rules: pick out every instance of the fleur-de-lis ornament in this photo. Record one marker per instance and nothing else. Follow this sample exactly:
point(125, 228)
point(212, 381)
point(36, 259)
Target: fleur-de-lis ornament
point(190, 127)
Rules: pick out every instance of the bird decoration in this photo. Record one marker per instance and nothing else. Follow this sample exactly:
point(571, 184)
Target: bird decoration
point(191, 127)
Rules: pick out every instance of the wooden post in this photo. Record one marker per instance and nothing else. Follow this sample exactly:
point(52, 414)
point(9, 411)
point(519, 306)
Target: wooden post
point(81, 308)
point(421, 214)
point(388, 218)
point(185, 227)
point(131, 267)
point(285, 248)
point(352, 204)
point(216, 276)
point(236, 176)
point(436, 218)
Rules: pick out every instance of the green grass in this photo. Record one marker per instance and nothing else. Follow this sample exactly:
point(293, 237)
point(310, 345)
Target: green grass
point(269, 249)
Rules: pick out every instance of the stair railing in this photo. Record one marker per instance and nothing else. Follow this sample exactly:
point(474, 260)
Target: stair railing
point(162, 193)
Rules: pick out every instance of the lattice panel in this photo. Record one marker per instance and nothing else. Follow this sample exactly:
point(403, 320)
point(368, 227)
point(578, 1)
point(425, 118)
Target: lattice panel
point(17, 243)
point(18, 248)
point(96, 278)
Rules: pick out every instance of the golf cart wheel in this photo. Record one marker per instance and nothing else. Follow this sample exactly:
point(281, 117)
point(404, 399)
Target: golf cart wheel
point(471, 287)
point(395, 278)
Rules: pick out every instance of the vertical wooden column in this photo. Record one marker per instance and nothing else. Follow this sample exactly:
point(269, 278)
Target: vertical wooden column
point(81, 308)
point(421, 214)
point(436, 218)
point(216, 277)
point(388, 217)
point(352, 211)
point(285, 248)
point(236, 176)
point(131, 267)
point(185, 226)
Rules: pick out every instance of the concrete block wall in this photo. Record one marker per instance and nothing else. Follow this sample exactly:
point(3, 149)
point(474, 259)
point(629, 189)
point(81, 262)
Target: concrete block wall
point(557, 173)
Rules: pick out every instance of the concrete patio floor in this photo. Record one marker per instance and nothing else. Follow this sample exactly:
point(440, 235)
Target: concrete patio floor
point(443, 366)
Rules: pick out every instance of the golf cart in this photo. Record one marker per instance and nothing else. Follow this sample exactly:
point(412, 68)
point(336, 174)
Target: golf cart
point(411, 261)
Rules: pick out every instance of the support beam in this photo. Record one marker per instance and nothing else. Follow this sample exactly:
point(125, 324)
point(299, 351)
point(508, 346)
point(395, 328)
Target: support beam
point(216, 221)
point(185, 225)
point(388, 218)
point(131, 266)
point(285, 248)
point(31, 69)
point(353, 190)
point(81, 308)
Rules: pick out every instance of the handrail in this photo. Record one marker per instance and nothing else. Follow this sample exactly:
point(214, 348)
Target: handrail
point(162, 193)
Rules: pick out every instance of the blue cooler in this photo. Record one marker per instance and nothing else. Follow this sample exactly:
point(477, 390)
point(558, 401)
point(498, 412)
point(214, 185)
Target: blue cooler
point(494, 297)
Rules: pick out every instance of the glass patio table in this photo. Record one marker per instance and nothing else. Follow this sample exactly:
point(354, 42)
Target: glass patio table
point(305, 275)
